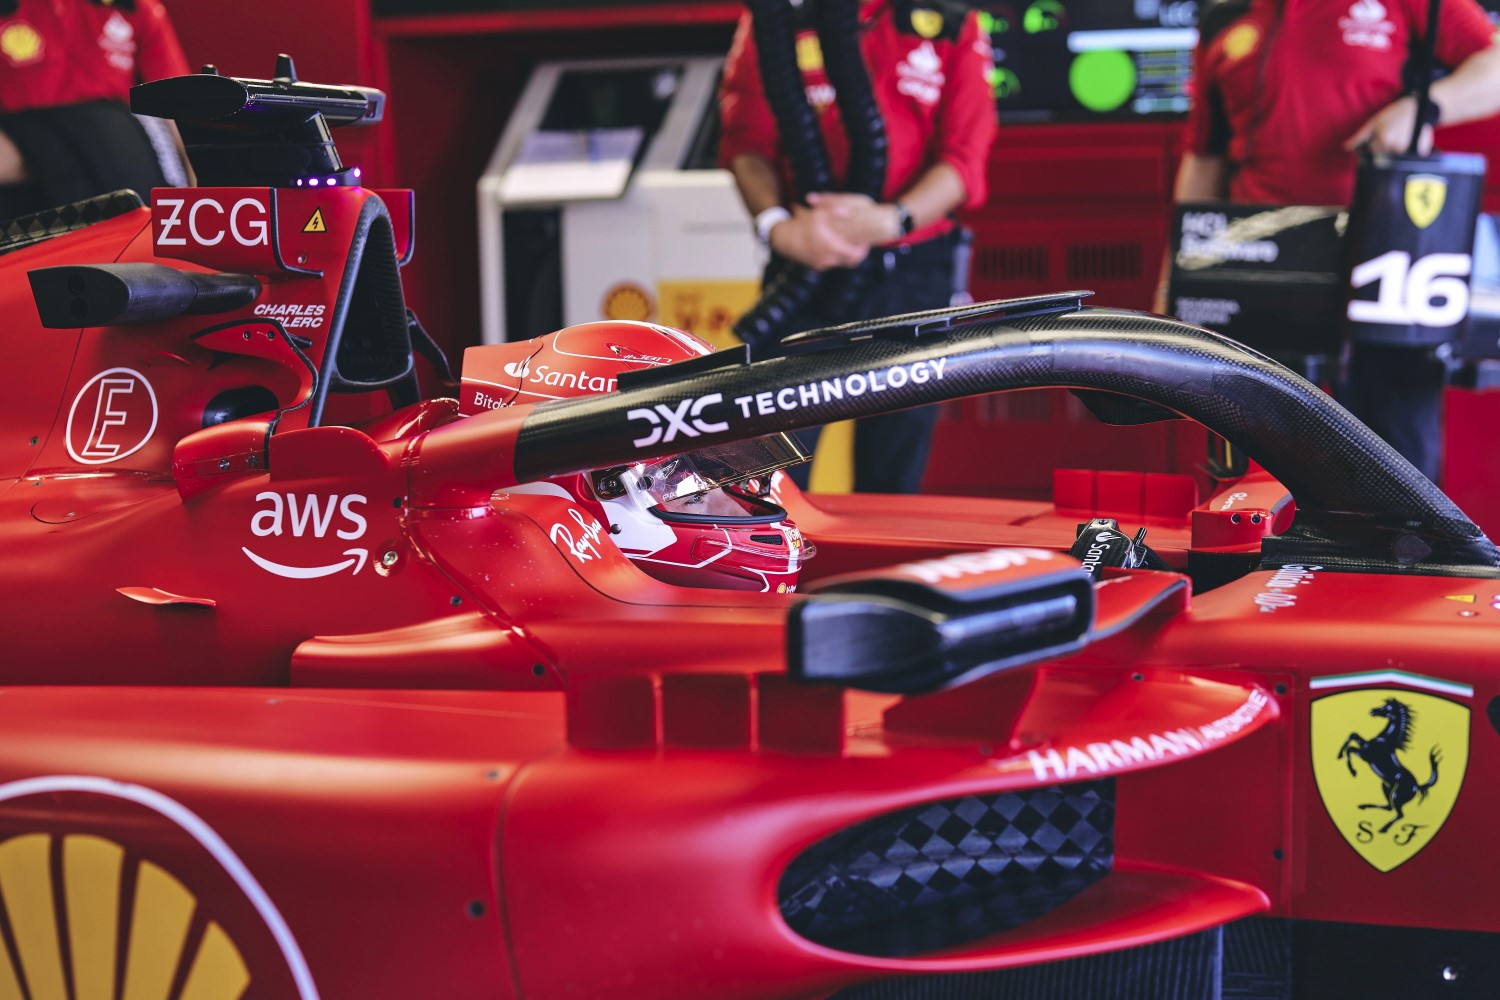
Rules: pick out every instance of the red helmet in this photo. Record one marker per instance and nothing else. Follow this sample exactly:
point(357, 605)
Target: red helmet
point(703, 518)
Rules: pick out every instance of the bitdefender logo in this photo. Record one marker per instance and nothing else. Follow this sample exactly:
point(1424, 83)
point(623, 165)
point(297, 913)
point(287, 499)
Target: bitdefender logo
point(668, 422)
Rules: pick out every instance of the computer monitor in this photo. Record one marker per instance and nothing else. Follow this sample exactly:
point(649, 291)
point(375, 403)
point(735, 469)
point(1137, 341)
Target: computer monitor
point(1061, 60)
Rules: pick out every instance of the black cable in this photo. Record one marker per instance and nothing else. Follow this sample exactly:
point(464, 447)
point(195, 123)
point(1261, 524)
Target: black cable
point(1426, 59)
point(790, 287)
point(869, 147)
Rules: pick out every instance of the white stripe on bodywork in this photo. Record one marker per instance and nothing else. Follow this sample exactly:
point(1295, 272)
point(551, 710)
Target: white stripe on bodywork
point(203, 834)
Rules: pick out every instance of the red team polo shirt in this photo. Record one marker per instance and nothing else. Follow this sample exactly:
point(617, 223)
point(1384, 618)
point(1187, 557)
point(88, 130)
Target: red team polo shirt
point(55, 52)
point(934, 94)
point(1280, 89)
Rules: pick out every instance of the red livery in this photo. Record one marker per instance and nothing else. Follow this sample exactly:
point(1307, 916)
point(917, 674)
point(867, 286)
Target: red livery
point(319, 684)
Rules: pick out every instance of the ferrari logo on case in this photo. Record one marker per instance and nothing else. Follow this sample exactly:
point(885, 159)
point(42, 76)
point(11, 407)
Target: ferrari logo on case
point(316, 223)
point(1425, 194)
point(1389, 764)
point(926, 23)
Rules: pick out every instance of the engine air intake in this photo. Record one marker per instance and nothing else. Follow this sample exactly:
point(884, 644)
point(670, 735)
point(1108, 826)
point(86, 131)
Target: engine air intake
point(946, 873)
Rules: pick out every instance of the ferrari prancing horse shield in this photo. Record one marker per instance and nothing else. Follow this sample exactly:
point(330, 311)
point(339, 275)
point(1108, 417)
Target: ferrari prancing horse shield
point(1425, 194)
point(1389, 764)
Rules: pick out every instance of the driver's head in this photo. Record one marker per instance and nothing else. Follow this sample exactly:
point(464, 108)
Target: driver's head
point(698, 519)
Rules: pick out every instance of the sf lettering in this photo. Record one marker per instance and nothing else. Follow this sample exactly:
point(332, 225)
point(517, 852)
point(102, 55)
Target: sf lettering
point(1430, 291)
point(206, 222)
point(1404, 833)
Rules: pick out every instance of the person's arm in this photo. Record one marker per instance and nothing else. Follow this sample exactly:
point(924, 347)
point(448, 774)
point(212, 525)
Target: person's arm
point(807, 236)
point(1467, 42)
point(1200, 177)
point(1203, 172)
point(158, 52)
point(748, 149)
point(966, 122)
point(937, 192)
point(12, 163)
point(1471, 91)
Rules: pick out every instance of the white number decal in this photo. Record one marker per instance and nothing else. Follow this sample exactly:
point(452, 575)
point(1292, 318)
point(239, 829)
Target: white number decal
point(1431, 292)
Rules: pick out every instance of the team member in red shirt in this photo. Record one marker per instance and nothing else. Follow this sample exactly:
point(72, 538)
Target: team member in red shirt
point(929, 67)
point(66, 69)
point(1285, 94)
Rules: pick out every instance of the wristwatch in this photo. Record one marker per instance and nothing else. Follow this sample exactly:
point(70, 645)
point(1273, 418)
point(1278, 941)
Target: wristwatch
point(767, 221)
point(904, 220)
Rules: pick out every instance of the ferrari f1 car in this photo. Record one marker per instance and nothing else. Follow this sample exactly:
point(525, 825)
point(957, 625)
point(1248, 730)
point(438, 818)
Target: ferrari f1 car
point(315, 685)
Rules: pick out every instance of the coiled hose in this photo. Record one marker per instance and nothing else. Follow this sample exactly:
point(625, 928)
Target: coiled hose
point(869, 147)
point(790, 287)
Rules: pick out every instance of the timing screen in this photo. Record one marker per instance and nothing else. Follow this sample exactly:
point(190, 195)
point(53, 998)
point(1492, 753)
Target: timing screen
point(1091, 57)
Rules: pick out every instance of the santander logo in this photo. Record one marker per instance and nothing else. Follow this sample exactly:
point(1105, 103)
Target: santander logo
point(1366, 25)
point(521, 370)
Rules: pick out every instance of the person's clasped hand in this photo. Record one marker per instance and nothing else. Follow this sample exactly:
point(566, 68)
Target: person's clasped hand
point(811, 238)
point(858, 217)
point(1389, 129)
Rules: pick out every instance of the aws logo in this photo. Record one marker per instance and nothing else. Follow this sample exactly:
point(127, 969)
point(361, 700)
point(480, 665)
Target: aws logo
point(304, 516)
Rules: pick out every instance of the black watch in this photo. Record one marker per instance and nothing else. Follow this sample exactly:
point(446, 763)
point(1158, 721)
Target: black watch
point(904, 220)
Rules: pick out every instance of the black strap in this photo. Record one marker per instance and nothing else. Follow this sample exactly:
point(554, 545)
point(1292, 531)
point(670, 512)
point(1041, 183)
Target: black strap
point(1424, 59)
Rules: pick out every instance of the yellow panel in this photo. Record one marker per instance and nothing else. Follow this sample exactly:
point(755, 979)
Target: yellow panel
point(706, 308)
point(26, 881)
point(833, 464)
point(91, 882)
point(10, 986)
point(218, 972)
point(158, 927)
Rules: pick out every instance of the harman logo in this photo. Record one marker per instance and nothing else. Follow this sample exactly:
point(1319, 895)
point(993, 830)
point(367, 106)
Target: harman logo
point(1389, 762)
point(962, 564)
point(684, 419)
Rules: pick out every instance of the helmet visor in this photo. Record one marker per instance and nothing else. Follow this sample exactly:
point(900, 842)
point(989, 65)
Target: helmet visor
point(664, 480)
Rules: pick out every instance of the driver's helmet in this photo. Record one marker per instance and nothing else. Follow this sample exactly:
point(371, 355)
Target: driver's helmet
point(703, 518)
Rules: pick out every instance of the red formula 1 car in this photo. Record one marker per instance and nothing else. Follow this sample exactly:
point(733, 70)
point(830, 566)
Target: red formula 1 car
point(313, 686)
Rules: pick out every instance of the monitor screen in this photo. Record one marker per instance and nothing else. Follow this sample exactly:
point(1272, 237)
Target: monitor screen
point(1083, 59)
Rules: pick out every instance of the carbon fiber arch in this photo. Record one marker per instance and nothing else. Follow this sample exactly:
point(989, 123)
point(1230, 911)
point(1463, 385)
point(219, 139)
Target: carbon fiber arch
point(1361, 506)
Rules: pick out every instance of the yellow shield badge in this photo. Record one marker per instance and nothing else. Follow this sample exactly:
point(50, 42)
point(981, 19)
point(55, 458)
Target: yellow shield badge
point(1425, 194)
point(1389, 763)
point(926, 23)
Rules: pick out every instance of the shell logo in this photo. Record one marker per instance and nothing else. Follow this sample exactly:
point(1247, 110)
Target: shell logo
point(86, 917)
point(20, 43)
point(628, 301)
point(151, 927)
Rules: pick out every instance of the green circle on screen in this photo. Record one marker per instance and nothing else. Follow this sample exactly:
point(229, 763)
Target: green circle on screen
point(1102, 80)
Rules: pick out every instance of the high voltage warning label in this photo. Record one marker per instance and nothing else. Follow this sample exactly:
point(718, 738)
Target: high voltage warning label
point(316, 223)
